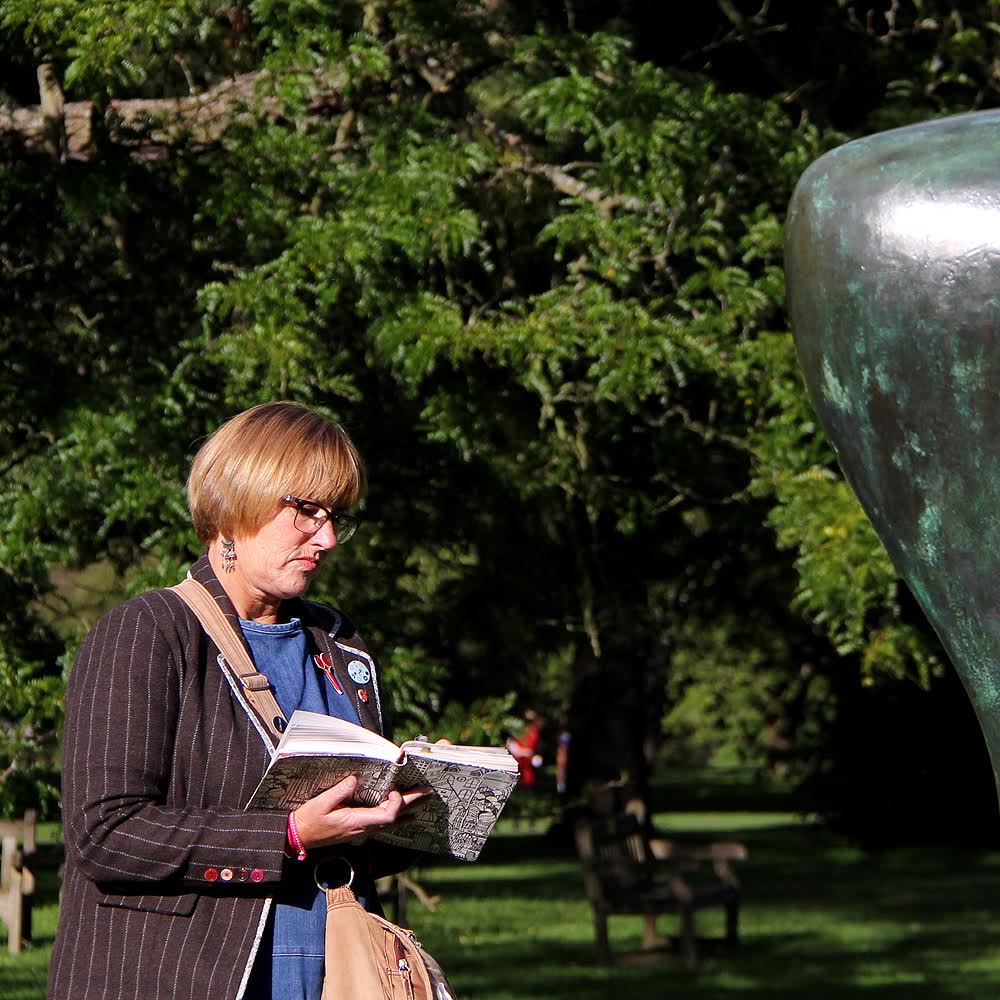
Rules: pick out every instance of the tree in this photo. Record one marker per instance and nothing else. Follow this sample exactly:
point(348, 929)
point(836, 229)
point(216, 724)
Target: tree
point(532, 258)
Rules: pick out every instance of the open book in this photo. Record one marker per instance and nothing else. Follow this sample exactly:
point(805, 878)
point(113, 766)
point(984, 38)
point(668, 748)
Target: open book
point(469, 785)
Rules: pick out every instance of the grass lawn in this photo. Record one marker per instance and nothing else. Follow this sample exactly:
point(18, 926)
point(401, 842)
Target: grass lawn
point(821, 920)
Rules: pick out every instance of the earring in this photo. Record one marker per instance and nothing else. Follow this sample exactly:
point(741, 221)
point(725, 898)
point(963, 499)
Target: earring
point(228, 555)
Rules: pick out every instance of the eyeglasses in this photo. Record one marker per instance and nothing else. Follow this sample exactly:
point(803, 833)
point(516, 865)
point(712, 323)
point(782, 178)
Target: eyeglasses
point(311, 516)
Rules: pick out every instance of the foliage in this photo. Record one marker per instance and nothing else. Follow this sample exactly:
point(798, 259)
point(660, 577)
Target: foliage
point(531, 256)
point(32, 713)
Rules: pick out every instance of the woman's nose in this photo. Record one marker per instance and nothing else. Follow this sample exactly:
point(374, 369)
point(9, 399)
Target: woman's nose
point(326, 537)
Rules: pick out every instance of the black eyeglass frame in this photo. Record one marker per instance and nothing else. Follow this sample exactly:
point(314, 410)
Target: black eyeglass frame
point(344, 525)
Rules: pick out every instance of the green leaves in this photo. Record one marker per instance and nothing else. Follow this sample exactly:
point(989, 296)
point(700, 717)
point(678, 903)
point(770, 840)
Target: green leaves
point(125, 44)
point(536, 272)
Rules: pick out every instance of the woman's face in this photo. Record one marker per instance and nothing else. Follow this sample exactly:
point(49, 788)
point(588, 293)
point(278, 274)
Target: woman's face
point(275, 564)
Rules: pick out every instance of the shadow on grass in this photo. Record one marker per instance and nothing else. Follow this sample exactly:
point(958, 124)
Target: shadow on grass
point(822, 919)
point(47, 881)
point(23, 977)
point(792, 967)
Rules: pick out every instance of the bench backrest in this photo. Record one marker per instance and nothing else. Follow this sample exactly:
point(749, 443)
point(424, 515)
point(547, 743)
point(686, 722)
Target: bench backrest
point(614, 855)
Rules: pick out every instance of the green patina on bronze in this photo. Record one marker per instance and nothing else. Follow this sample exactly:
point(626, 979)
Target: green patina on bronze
point(893, 273)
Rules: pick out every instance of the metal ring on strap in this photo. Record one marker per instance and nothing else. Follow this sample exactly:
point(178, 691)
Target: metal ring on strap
point(334, 873)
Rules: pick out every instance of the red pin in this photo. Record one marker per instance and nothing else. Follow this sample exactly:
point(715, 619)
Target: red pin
point(323, 662)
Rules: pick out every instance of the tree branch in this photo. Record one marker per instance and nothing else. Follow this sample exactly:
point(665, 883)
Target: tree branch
point(148, 127)
point(567, 184)
point(52, 105)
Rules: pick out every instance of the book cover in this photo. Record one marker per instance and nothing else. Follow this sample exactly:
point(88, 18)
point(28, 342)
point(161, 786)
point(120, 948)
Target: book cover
point(469, 785)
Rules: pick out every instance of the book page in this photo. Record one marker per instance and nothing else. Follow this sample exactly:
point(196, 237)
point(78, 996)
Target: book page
point(315, 733)
point(292, 780)
point(458, 815)
point(497, 758)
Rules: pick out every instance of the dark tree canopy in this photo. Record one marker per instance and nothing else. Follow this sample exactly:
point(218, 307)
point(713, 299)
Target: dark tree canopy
point(530, 255)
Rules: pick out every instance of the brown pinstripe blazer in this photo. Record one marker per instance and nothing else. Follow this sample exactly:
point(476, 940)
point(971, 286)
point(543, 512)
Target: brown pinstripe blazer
point(168, 880)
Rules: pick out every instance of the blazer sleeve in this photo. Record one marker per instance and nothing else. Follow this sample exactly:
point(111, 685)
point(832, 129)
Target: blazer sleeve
point(134, 744)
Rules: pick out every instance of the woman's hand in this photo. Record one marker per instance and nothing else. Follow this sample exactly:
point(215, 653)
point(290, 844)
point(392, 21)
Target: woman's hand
point(327, 819)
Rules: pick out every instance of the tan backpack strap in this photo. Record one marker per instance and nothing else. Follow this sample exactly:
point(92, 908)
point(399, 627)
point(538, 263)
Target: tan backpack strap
point(254, 685)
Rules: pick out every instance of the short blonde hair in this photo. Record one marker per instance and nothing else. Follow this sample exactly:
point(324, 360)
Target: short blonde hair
point(269, 451)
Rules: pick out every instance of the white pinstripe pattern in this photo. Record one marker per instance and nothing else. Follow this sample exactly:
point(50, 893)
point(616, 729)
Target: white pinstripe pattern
point(159, 758)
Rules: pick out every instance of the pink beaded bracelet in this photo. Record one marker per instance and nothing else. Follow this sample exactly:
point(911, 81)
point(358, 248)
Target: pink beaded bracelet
point(294, 839)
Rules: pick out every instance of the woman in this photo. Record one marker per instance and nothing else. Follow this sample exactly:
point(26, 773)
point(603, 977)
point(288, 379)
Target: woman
point(171, 888)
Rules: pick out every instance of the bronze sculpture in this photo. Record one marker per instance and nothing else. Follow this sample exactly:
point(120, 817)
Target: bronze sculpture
point(893, 276)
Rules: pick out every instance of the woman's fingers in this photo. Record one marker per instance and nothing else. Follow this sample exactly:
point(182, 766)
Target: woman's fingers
point(413, 795)
point(387, 810)
point(341, 792)
point(328, 819)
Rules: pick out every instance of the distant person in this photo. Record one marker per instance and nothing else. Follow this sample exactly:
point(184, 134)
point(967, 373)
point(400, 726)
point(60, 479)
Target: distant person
point(562, 755)
point(172, 889)
point(524, 749)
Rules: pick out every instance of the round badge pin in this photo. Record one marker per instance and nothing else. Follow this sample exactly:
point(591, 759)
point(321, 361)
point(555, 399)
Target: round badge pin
point(359, 672)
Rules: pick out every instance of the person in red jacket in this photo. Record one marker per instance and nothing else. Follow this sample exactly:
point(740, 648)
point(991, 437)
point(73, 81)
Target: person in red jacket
point(524, 749)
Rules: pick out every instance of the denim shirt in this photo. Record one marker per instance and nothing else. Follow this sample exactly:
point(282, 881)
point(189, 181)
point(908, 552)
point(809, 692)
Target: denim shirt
point(289, 964)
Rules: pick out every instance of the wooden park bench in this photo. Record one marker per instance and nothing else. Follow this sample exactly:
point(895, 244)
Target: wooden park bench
point(627, 872)
point(18, 843)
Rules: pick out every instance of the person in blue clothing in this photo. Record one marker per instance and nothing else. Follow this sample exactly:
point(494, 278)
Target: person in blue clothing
point(179, 888)
point(264, 570)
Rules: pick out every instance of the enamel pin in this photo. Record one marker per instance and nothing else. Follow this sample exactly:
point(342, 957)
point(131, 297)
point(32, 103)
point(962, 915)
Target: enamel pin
point(323, 662)
point(359, 672)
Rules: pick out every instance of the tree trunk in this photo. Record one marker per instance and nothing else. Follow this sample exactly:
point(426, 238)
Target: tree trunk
point(609, 715)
